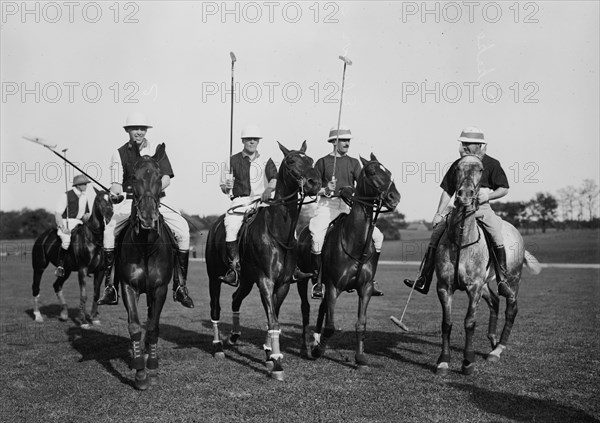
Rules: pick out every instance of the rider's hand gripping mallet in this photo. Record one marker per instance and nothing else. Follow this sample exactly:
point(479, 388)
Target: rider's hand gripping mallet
point(347, 62)
point(229, 176)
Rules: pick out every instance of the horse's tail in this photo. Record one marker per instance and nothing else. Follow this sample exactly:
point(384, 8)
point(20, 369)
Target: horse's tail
point(532, 263)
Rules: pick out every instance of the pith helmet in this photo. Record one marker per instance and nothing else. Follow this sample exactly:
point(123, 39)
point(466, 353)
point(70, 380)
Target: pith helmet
point(472, 134)
point(137, 119)
point(344, 133)
point(80, 180)
point(251, 131)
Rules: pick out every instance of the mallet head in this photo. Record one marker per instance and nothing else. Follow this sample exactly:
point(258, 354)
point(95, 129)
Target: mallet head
point(39, 141)
point(233, 59)
point(346, 60)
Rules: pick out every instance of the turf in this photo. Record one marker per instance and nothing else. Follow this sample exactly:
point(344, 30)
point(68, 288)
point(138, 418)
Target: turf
point(56, 371)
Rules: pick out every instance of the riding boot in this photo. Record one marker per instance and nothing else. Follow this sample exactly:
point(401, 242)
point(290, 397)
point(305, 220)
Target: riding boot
point(425, 275)
point(504, 288)
point(60, 269)
point(317, 289)
point(376, 292)
point(299, 275)
point(110, 295)
point(180, 291)
point(233, 255)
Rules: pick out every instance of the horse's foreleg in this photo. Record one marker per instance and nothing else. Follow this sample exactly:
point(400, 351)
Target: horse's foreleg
point(443, 363)
point(509, 319)
point(130, 299)
point(58, 284)
point(83, 318)
point(491, 298)
point(236, 303)
point(98, 278)
point(35, 288)
point(156, 301)
point(468, 365)
point(361, 330)
point(274, 355)
point(327, 308)
point(214, 290)
point(305, 309)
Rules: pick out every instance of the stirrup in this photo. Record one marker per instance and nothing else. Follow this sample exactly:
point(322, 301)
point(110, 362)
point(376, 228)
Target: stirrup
point(182, 296)
point(316, 295)
point(110, 296)
point(59, 272)
point(227, 279)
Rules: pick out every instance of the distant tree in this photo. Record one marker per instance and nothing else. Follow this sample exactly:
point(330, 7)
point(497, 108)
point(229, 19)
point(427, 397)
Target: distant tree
point(567, 199)
point(26, 223)
point(543, 209)
point(511, 211)
point(589, 196)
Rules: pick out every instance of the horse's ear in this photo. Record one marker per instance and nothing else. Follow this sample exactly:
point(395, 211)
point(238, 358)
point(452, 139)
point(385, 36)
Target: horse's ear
point(303, 148)
point(364, 161)
point(284, 150)
point(160, 152)
point(96, 190)
point(373, 158)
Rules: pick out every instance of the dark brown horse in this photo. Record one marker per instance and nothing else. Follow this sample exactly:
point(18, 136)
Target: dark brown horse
point(267, 254)
point(349, 259)
point(463, 263)
point(85, 256)
point(144, 265)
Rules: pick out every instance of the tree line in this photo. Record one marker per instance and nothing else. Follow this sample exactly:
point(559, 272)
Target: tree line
point(572, 208)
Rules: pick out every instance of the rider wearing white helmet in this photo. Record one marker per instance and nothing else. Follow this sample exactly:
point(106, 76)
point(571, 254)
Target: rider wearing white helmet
point(251, 177)
point(72, 209)
point(121, 171)
point(330, 205)
point(494, 185)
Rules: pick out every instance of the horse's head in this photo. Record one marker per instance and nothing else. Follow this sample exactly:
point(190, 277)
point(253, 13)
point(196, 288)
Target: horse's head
point(468, 176)
point(147, 186)
point(297, 172)
point(103, 207)
point(376, 182)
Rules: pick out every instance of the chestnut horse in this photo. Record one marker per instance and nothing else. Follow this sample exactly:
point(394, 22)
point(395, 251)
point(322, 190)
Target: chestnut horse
point(349, 259)
point(462, 262)
point(267, 254)
point(144, 265)
point(85, 255)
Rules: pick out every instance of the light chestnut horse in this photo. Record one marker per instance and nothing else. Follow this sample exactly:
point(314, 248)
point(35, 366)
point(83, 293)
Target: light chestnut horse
point(463, 263)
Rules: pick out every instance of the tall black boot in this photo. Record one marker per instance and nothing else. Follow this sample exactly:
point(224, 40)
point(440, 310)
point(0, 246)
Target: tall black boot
point(60, 268)
point(110, 295)
point(180, 291)
point(504, 288)
point(376, 292)
point(317, 289)
point(425, 276)
point(233, 255)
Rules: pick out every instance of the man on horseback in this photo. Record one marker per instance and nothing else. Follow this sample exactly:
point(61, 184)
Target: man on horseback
point(72, 209)
point(254, 178)
point(122, 165)
point(331, 205)
point(493, 185)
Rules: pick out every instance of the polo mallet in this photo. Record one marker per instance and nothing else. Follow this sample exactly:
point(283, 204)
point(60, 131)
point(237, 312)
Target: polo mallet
point(51, 147)
point(347, 62)
point(399, 322)
point(230, 175)
point(64, 150)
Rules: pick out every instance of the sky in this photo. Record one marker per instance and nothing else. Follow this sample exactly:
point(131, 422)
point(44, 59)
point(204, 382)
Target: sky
point(525, 73)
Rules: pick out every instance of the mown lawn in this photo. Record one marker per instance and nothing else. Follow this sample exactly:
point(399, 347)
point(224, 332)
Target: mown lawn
point(56, 371)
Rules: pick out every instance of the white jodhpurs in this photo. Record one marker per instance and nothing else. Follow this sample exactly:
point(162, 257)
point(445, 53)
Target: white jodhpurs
point(66, 237)
point(327, 210)
point(122, 211)
point(235, 218)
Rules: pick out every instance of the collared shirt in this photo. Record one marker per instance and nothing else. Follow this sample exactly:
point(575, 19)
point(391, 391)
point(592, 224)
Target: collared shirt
point(84, 200)
point(492, 178)
point(116, 165)
point(253, 174)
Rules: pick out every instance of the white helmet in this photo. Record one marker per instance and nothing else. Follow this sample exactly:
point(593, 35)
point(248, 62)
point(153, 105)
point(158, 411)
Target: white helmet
point(343, 134)
point(251, 131)
point(472, 135)
point(137, 119)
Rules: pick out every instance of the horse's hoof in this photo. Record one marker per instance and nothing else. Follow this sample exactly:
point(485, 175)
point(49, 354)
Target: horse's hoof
point(85, 326)
point(269, 365)
point(468, 368)
point(278, 375)
point(442, 369)
point(233, 338)
point(96, 322)
point(363, 368)
point(494, 356)
point(38, 316)
point(64, 316)
point(218, 352)
point(142, 383)
point(316, 352)
point(153, 377)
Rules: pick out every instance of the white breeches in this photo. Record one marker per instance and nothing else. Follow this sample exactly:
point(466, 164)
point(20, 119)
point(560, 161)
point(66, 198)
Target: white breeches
point(327, 210)
point(122, 211)
point(233, 221)
point(64, 237)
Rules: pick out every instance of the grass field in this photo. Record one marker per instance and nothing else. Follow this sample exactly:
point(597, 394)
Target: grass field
point(56, 371)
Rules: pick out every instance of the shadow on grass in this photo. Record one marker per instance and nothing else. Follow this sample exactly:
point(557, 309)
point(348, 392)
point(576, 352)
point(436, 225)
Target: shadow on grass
point(52, 312)
point(522, 408)
point(102, 348)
